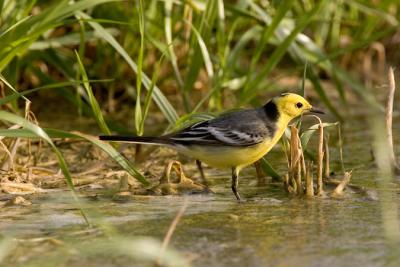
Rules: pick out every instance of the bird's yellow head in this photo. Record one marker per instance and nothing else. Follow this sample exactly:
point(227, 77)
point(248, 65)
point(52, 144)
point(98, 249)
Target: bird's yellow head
point(293, 105)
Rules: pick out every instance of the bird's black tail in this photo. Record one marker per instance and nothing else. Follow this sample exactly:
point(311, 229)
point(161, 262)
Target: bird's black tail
point(137, 139)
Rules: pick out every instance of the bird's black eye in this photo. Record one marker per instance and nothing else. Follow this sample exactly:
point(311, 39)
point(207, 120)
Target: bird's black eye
point(299, 105)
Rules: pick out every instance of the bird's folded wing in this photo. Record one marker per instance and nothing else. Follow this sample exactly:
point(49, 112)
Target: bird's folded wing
point(209, 133)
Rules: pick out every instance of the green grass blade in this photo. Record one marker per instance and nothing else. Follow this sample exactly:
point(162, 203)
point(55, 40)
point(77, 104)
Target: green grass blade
point(203, 48)
point(267, 34)
point(161, 101)
point(81, 53)
point(12, 27)
point(138, 106)
point(205, 28)
point(168, 36)
point(281, 49)
point(222, 42)
point(92, 100)
point(321, 93)
point(269, 170)
point(150, 92)
point(11, 87)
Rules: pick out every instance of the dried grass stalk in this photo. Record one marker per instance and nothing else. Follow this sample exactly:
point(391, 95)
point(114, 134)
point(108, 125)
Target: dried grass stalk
point(320, 190)
point(309, 179)
point(7, 162)
point(302, 160)
point(327, 168)
point(295, 155)
point(300, 189)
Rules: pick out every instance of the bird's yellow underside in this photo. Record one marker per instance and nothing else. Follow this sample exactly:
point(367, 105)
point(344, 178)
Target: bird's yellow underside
point(231, 156)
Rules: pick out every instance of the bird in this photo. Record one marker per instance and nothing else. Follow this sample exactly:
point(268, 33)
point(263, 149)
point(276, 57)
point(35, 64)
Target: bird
point(232, 140)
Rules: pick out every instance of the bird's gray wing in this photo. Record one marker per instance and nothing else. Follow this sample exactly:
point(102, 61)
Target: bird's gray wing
point(242, 128)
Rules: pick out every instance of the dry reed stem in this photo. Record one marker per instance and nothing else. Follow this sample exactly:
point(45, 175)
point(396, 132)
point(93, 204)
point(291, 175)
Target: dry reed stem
point(342, 185)
point(286, 150)
point(327, 168)
point(171, 230)
point(295, 155)
point(389, 117)
point(29, 116)
point(292, 151)
point(309, 179)
point(302, 160)
point(320, 189)
point(7, 163)
point(300, 189)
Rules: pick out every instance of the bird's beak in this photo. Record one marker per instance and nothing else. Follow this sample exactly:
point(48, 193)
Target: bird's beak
point(315, 111)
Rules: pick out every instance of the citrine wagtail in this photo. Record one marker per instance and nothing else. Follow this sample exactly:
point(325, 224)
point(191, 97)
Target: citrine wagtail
point(233, 140)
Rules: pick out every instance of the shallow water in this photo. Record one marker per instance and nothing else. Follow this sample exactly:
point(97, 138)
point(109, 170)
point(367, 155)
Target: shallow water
point(271, 228)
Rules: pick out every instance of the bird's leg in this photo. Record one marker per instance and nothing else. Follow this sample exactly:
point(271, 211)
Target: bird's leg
point(203, 177)
point(235, 181)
